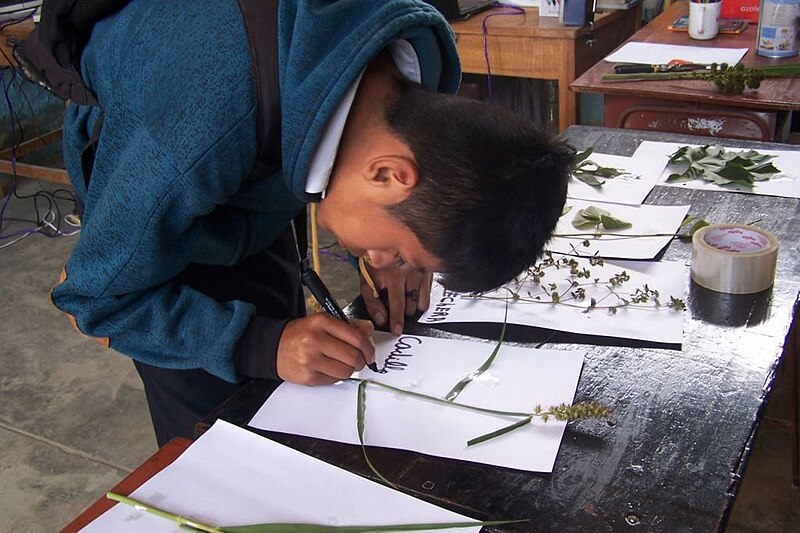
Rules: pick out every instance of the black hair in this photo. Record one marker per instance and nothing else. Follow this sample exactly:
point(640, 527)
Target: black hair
point(491, 185)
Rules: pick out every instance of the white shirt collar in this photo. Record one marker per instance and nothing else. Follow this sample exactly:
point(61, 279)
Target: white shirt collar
point(406, 60)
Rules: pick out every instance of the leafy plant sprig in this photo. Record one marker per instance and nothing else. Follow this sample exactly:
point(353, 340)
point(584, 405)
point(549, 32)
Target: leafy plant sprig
point(716, 164)
point(686, 230)
point(574, 292)
point(728, 79)
point(733, 79)
point(591, 173)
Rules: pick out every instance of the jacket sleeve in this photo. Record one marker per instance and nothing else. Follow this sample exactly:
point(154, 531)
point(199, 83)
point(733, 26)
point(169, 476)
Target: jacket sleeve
point(146, 215)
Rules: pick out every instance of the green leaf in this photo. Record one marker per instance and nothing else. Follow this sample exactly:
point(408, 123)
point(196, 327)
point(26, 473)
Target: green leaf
point(455, 391)
point(678, 155)
point(502, 431)
point(581, 156)
point(361, 408)
point(611, 222)
point(588, 217)
point(765, 168)
point(566, 209)
point(592, 217)
point(736, 173)
point(608, 172)
point(587, 178)
point(696, 226)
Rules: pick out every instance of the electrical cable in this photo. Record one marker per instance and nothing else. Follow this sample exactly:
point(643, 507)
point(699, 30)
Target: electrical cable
point(45, 203)
point(6, 245)
point(508, 9)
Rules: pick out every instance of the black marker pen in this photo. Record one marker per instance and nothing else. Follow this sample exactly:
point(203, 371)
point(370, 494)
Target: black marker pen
point(321, 293)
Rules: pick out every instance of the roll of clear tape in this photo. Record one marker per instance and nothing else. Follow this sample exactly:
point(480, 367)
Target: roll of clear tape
point(734, 258)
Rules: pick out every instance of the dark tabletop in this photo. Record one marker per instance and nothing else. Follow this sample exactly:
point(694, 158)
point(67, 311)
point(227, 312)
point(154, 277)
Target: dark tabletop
point(672, 454)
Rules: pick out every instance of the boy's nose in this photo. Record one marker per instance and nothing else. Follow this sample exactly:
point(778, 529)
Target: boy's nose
point(380, 259)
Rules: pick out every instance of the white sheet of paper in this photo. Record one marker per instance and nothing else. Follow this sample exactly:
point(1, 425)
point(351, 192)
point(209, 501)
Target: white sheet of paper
point(627, 189)
point(786, 184)
point(659, 54)
point(649, 323)
point(518, 380)
point(646, 219)
point(231, 476)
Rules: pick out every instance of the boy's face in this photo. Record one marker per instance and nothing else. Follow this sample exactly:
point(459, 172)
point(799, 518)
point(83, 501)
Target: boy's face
point(371, 232)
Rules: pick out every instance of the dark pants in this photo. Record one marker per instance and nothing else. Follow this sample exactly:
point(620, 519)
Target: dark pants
point(178, 399)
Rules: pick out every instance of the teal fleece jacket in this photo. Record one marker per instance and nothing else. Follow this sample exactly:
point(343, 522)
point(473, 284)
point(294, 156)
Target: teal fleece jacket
point(174, 80)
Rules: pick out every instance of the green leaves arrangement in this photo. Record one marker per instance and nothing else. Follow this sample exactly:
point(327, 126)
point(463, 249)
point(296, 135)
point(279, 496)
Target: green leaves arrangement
point(714, 163)
point(294, 528)
point(595, 217)
point(591, 173)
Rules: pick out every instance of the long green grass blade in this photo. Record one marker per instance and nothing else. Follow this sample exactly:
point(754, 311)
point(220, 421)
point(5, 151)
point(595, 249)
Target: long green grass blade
point(501, 431)
point(361, 410)
point(295, 528)
point(314, 528)
point(455, 391)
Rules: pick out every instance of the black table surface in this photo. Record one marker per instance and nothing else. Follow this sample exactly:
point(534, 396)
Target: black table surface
point(672, 454)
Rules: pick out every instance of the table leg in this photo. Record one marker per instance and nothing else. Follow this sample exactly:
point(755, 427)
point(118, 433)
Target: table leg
point(550, 113)
point(792, 349)
point(567, 106)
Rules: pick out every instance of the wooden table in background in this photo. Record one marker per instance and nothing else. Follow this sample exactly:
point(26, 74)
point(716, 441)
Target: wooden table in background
point(695, 107)
point(527, 46)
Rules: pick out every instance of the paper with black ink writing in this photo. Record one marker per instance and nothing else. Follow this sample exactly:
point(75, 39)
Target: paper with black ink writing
point(518, 380)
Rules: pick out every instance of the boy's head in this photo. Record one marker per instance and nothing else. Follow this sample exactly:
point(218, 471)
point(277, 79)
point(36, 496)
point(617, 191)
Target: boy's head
point(448, 184)
point(491, 186)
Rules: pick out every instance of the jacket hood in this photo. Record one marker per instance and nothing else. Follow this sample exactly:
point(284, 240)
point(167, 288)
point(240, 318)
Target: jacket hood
point(324, 45)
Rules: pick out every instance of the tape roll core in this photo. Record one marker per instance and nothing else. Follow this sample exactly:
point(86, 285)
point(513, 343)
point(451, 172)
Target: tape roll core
point(734, 259)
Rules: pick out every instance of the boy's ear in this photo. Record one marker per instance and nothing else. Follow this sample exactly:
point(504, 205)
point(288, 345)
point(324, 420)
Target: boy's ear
point(393, 172)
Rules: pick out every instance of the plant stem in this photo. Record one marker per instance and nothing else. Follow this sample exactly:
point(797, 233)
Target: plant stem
point(181, 521)
point(298, 528)
point(361, 410)
point(461, 385)
point(611, 236)
point(438, 400)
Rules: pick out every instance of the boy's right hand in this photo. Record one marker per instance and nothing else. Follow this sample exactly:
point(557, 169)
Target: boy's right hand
point(321, 349)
